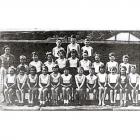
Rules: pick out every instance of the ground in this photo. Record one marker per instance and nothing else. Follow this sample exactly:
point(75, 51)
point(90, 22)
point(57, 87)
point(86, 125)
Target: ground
point(69, 108)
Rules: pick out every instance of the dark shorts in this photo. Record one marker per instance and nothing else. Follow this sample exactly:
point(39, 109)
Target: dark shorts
point(124, 85)
point(134, 84)
point(25, 87)
point(86, 72)
point(61, 71)
point(83, 87)
point(73, 71)
point(32, 85)
point(113, 85)
point(91, 86)
point(10, 84)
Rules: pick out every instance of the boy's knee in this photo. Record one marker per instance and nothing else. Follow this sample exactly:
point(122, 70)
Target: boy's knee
point(111, 91)
point(52, 88)
point(63, 88)
point(87, 90)
point(67, 89)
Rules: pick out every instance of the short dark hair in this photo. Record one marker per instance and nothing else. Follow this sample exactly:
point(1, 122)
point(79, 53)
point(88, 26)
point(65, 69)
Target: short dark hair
point(114, 68)
point(102, 67)
point(22, 68)
point(111, 54)
point(6, 46)
point(33, 67)
point(123, 67)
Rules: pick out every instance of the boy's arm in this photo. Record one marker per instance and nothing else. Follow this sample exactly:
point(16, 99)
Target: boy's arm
point(40, 83)
point(18, 84)
point(51, 82)
point(36, 82)
point(53, 52)
point(48, 84)
point(106, 80)
point(25, 81)
point(59, 82)
point(130, 82)
point(99, 81)
point(77, 82)
point(109, 82)
point(5, 83)
point(137, 81)
point(117, 82)
point(83, 82)
point(67, 51)
point(95, 83)
point(87, 84)
point(28, 82)
point(70, 82)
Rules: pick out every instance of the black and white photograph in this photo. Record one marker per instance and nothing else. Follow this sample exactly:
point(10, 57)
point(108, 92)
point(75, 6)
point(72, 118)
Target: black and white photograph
point(70, 70)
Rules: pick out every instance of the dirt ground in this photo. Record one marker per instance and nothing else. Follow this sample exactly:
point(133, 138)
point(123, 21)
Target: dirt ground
point(69, 108)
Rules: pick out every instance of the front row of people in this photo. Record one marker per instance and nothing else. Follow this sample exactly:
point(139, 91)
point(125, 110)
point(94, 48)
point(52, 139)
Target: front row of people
point(52, 89)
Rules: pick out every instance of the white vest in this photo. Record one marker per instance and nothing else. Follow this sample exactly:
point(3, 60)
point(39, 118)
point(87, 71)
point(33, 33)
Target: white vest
point(66, 79)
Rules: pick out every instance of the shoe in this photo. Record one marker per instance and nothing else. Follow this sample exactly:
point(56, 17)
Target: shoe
point(103, 104)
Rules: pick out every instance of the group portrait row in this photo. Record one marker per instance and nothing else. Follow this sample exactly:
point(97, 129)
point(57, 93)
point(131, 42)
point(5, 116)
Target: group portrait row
point(75, 76)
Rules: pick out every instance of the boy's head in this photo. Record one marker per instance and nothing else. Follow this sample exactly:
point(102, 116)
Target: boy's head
point(92, 70)
point(44, 70)
point(80, 70)
point(6, 49)
point(97, 57)
point(113, 70)
point(61, 53)
point(112, 56)
point(55, 68)
point(49, 56)
point(86, 42)
point(102, 69)
point(85, 55)
point(22, 70)
point(73, 39)
point(125, 59)
point(33, 70)
point(11, 70)
point(133, 69)
point(22, 59)
point(58, 42)
point(73, 53)
point(35, 56)
point(66, 71)
point(123, 70)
